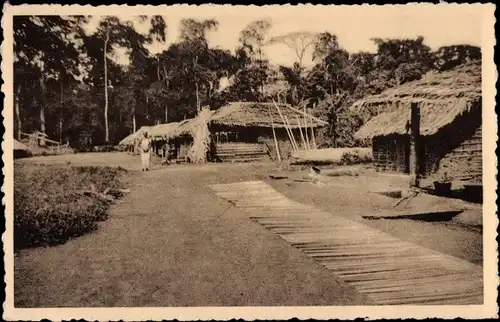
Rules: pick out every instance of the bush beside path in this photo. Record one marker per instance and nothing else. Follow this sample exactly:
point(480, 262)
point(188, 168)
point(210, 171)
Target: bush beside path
point(54, 203)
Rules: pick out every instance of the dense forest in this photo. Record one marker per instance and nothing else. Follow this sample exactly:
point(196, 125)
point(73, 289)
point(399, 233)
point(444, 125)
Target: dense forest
point(68, 85)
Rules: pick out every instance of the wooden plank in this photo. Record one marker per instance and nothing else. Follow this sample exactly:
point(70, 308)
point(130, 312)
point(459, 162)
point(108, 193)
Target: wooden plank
point(386, 269)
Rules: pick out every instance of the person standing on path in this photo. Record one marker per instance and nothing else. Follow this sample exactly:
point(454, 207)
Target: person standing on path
point(145, 149)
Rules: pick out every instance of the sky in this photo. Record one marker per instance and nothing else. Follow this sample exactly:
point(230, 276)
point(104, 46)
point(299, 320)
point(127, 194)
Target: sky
point(353, 25)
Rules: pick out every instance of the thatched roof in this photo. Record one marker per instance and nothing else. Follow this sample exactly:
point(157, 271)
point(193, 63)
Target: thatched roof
point(237, 113)
point(171, 130)
point(441, 97)
point(129, 140)
point(255, 114)
point(163, 130)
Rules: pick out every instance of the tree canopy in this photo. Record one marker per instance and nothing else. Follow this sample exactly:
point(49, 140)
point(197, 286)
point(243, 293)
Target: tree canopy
point(71, 86)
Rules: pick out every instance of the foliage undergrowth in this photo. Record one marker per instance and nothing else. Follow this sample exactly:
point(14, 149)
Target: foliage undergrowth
point(48, 210)
point(354, 157)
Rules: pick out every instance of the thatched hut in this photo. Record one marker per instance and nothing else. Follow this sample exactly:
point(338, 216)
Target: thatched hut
point(450, 124)
point(239, 131)
point(172, 139)
point(242, 129)
point(21, 150)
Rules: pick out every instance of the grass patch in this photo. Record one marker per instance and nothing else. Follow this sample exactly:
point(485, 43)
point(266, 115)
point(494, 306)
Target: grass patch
point(47, 208)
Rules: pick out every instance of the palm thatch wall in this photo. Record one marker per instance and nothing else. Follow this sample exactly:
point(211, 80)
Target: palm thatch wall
point(450, 109)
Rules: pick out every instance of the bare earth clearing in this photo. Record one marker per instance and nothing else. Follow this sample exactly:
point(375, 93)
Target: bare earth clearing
point(172, 242)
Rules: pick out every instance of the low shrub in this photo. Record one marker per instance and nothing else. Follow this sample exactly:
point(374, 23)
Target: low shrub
point(355, 157)
point(350, 158)
point(49, 207)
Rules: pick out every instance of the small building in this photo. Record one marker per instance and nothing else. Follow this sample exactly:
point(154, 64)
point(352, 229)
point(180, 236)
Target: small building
point(21, 150)
point(241, 130)
point(172, 140)
point(168, 139)
point(450, 125)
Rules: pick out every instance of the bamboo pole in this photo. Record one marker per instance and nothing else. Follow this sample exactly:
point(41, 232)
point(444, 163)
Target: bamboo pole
point(291, 132)
point(305, 128)
point(294, 142)
point(312, 133)
point(290, 135)
point(301, 134)
point(274, 136)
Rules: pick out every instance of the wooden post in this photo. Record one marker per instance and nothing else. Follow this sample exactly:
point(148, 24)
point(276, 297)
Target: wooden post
point(274, 136)
point(291, 132)
point(288, 130)
point(305, 128)
point(304, 144)
point(313, 138)
point(414, 145)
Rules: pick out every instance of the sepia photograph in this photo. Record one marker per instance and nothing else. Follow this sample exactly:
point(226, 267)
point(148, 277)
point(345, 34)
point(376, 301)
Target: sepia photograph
point(220, 161)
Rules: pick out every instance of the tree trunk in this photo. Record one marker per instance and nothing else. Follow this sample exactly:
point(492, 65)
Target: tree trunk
point(260, 65)
point(42, 106)
point(158, 68)
point(197, 97)
point(134, 125)
point(106, 127)
point(42, 109)
point(60, 113)
point(166, 113)
point(195, 62)
point(165, 76)
point(18, 114)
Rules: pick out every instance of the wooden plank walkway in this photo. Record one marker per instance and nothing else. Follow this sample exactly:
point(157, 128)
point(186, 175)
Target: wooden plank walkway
point(387, 270)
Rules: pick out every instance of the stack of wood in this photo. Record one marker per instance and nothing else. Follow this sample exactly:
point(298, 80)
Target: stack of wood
point(241, 152)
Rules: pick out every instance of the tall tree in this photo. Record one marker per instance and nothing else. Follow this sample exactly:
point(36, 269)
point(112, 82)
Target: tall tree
point(449, 57)
point(299, 41)
point(111, 34)
point(404, 59)
point(158, 34)
point(36, 62)
point(325, 43)
point(193, 35)
point(254, 70)
point(330, 86)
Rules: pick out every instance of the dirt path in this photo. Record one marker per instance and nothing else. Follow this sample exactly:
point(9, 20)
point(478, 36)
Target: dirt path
point(171, 242)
